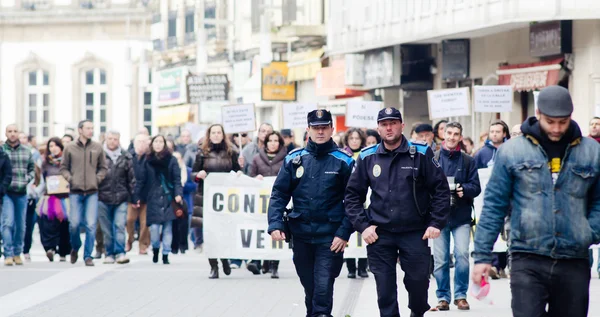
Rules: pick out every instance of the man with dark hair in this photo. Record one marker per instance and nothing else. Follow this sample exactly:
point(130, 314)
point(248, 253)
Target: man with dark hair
point(463, 179)
point(315, 178)
point(551, 178)
point(595, 129)
point(66, 139)
point(288, 139)
point(84, 167)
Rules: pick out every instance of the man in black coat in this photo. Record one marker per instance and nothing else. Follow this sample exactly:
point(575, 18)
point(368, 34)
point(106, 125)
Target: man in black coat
point(135, 212)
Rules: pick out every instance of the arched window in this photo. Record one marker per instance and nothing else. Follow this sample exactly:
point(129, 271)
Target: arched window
point(37, 102)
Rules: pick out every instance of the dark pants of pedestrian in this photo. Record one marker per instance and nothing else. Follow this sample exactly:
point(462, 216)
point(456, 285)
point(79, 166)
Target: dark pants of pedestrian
point(351, 264)
point(535, 280)
point(415, 256)
point(30, 219)
point(317, 266)
point(180, 235)
point(500, 260)
point(53, 234)
point(99, 239)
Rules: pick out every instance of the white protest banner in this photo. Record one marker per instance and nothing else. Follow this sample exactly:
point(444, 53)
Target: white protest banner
point(447, 103)
point(362, 114)
point(211, 113)
point(236, 223)
point(294, 114)
point(493, 98)
point(238, 118)
point(484, 177)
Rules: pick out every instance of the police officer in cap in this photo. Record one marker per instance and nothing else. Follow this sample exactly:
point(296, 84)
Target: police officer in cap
point(315, 178)
point(410, 202)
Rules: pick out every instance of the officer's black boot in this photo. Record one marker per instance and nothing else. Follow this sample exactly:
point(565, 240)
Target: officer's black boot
point(351, 265)
point(155, 255)
point(214, 268)
point(274, 268)
point(226, 267)
point(253, 267)
point(266, 267)
point(166, 259)
point(413, 314)
point(362, 268)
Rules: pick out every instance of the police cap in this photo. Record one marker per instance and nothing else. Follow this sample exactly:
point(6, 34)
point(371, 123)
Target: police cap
point(319, 117)
point(389, 114)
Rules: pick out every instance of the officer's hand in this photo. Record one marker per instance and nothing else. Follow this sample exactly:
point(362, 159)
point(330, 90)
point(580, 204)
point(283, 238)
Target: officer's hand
point(338, 245)
point(369, 235)
point(459, 191)
point(431, 233)
point(277, 235)
point(479, 271)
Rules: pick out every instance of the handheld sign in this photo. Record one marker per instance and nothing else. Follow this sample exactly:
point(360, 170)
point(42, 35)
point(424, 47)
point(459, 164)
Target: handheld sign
point(294, 114)
point(362, 114)
point(239, 118)
point(493, 98)
point(446, 103)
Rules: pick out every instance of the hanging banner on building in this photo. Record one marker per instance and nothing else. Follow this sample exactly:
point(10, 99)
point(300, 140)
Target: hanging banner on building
point(207, 88)
point(294, 114)
point(275, 85)
point(362, 114)
point(236, 223)
point(493, 98)
point(484, 177)
point(171, 86)
point(238, 118)
point(445, 103)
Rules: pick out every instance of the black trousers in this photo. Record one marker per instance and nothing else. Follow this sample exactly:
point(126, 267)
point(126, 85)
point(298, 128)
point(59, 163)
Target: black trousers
point(415, 257)
point(351, 264)
point(29, 224)
point(53, 234)
point(180, 235)
point(537, 281)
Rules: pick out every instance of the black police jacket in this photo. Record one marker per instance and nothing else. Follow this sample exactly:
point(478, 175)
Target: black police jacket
point(391, 174)
point(315, 178)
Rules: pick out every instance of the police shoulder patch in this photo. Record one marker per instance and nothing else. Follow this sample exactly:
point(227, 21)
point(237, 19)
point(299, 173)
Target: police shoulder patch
point(420, 146)
point(342, 155)
point(369, 150)
point(435, 162)
point(294, 153)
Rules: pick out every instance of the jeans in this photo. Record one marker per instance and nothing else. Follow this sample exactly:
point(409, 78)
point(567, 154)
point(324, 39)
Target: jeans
point(84, 211)
point(537, 281)
point(592, 259)
point(317, 266)
point(30, 220)
point(167, 236)
point(415, 257)
point(113, 219)
point(14, 209)
point(441, 255)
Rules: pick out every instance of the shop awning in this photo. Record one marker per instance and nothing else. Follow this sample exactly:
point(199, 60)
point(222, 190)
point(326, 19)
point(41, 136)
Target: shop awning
point(526, 77)
point(173, 116)
point(305, 65)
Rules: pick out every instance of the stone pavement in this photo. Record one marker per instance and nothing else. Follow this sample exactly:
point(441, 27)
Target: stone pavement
point(142, 288)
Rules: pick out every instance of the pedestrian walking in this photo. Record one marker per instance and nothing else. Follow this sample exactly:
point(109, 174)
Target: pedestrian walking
point(84, 167)
point(551, 178)
point(14, 204)
point(162, 178)
point(117, 188)
point(410, 203)
point(314, 178)
point(137, 212)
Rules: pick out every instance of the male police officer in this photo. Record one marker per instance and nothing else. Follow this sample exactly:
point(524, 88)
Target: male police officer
point(410, 202)
point(315, 177)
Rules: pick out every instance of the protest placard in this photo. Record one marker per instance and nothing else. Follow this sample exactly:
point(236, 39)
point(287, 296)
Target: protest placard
point(362, 114)
point(447, 103)
point(294, 114)
point(238, 118)
point(493, 98)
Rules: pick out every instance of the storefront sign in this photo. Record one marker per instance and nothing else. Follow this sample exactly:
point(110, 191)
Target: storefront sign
point(329, 81)
point(207, 88)
point(239, 118)
point(171, 86)
point(294, 114)
point(275, 85)
point(382, 68)
point(455, 59)
point(362, 114)
point(525, 77)
point(354, 69)
point(550, 38)
point(493, 98)
point(447, 103)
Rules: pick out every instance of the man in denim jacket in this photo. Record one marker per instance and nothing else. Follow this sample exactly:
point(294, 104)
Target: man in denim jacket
point(551, 177)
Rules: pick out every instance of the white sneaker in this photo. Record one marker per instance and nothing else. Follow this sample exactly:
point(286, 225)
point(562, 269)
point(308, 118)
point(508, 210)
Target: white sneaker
point(122, 259)
point(109, 260)
point(234, 266)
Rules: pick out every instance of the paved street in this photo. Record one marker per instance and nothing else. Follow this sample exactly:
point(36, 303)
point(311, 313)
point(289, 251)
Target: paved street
point(142, 288)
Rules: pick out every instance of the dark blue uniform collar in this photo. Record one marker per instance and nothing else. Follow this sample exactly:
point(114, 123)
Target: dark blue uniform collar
point(403, 148)
point(320, 149)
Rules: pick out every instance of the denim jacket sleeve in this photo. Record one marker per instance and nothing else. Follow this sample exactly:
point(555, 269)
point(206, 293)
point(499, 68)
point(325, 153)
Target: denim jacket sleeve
point(495, 207)
point(594, 211)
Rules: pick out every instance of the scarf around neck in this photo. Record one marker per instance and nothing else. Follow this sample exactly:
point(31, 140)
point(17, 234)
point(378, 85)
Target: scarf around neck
point(113, 155)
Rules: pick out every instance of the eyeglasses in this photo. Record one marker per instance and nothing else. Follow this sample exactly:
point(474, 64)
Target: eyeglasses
point(515, 134)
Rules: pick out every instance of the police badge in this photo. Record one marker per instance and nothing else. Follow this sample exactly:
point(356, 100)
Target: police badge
point(376, 170)
point(319, 114)
point(388, 111)
point(299, 172)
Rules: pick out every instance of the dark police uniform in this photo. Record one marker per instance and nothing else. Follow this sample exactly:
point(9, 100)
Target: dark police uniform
point(398, 179)
point(315, 178)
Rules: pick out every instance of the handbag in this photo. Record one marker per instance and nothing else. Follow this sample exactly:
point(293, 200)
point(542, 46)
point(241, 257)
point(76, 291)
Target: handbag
point(178, 209)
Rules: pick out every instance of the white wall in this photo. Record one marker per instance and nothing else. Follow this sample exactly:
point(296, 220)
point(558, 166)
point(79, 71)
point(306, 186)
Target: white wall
point(63, 55)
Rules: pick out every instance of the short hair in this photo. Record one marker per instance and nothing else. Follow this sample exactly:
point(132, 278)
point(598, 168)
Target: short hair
point(68, 136)
point(30, 137)
point(82, 122)
point(595, 118)
point(505, 128)
point(414, 127)
point(454, 125)
point(113, 132)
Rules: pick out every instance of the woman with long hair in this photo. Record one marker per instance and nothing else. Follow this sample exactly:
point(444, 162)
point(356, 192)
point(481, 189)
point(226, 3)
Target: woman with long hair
point(52, 208)
point(216, 155)
point(267, 163)
point(162, 177)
